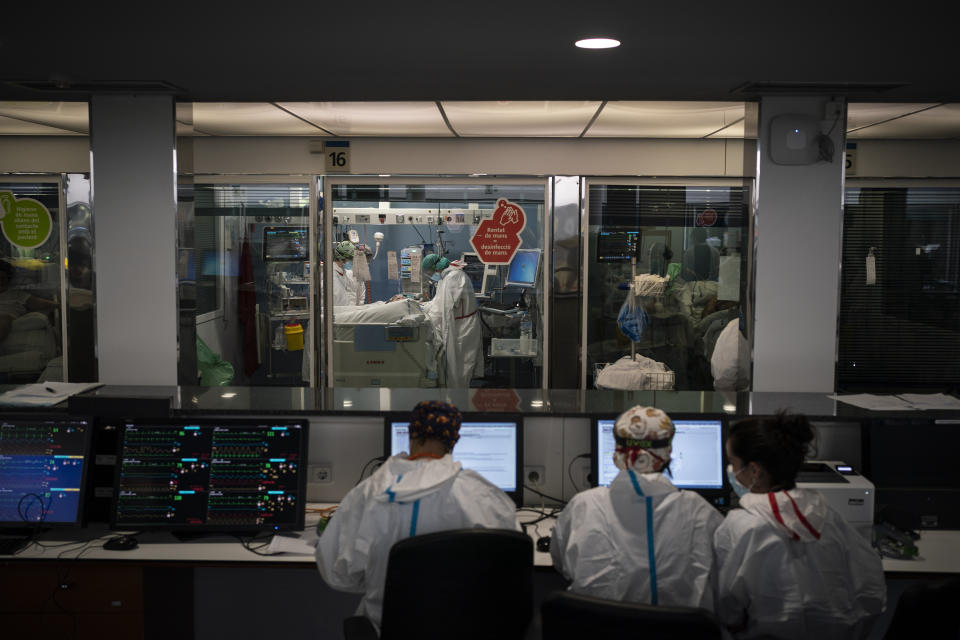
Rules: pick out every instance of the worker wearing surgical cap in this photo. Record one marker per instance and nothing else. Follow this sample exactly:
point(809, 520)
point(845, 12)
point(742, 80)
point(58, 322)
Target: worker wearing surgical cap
point(456, 323)
point(411, 494)
point(641, 539)
point(346, 289)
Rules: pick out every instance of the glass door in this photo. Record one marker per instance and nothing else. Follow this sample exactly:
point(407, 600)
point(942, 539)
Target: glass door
point(436, 282)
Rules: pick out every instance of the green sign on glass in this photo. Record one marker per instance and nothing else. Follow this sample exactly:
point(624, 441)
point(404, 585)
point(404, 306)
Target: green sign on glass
point(26, 223)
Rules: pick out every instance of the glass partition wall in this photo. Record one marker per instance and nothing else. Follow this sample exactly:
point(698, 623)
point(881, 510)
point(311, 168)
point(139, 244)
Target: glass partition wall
point(32, 279)
point(248, 259)
point(665, 266)
point(436, 282)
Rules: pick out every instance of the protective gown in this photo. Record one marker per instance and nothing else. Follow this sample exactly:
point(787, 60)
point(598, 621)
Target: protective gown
point(345, 286)
point(600, 542)
point(453, 312)
point(791, 567)
point(403, 498)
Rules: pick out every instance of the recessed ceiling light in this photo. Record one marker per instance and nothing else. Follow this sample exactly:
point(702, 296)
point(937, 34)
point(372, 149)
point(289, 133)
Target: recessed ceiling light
point(228, 395)
point(597, 43)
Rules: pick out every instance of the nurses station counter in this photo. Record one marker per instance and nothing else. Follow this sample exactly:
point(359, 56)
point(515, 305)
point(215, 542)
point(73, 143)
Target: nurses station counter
point(73, 582)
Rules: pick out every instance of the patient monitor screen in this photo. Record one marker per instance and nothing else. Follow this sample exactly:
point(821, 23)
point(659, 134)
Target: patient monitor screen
point(696, 461)
point(211, 474)
point(285, 243)
point(42, 463)
point(489, 448)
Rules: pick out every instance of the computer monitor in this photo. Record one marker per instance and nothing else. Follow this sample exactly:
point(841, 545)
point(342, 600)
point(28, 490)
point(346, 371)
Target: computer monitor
point(491, 445)
point(477, 272)
point(286, 244)
point(43, 469)
point(211, 475)
point(523, 268)
point(696, 462)
point(616, 245)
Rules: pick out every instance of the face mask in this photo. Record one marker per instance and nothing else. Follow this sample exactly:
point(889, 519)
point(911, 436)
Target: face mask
point(738, 488)
point(348, 265)
point(435, 277)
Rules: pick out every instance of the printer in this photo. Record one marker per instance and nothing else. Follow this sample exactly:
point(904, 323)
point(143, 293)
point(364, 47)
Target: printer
point(846, 491)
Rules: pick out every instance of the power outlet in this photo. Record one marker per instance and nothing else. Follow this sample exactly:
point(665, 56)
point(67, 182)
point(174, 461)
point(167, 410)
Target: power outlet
point(321, 473)
point(535, 474)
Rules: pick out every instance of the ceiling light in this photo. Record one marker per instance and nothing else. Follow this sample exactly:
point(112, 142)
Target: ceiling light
point(729, 408)
point(228, 395)
point(597, 43)
point(536, 403)
point(348, 403)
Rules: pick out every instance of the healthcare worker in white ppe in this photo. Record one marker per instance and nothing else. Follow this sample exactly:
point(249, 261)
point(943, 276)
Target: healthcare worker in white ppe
point(789, 566)
point(642, 539)
point(411, 494)
point(346, 289)
point(453, 312)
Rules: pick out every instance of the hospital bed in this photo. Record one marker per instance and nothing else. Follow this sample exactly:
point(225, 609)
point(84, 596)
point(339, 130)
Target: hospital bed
point(384, 344)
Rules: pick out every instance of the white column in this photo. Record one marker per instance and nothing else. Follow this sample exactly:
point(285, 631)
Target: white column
point(132, 140)
point(799, 219)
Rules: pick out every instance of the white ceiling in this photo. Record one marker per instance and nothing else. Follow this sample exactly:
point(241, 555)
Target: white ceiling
point(488, 119)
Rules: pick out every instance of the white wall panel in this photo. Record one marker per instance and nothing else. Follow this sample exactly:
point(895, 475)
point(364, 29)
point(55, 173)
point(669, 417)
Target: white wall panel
point(134, 203)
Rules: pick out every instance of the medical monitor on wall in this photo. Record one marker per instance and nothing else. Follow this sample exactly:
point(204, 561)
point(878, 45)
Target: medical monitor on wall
point(524, 268)
point(286, 244)
point(477, 272)
point(491, 445)
point(696, 462)
point(211, 474)
point(44, 462)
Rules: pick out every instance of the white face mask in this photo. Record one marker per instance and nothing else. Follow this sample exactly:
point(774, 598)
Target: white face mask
point(738, 488)
point(435, 276)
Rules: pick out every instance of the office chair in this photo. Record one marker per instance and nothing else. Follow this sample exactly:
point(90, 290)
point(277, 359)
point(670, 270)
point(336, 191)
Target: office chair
point(463, 583)
point(926, 610)
point(571, 615)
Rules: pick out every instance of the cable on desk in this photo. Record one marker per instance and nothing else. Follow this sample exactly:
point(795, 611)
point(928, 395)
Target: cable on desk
point(570, 470)
point(543, 495)
point(248, 545)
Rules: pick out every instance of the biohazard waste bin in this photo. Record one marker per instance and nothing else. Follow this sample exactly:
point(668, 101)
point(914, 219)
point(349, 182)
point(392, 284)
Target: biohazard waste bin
point(294, 333)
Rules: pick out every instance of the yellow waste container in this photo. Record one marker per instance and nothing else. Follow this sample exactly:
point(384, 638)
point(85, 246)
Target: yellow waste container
point(294, 333)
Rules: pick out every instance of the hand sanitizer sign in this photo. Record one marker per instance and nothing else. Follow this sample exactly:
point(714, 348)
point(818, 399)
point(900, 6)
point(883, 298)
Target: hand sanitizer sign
point(26, 223)
point(497, 238)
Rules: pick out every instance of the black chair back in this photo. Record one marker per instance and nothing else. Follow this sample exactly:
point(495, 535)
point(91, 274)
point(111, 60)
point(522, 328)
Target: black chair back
point(570, 615)
point(464, 583)
point(925, 610)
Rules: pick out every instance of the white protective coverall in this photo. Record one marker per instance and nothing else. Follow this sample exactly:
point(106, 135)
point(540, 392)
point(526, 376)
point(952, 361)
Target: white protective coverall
point(345, 286)
point(601, 539)
point(786, 576)
point(728, 353)
point(403, 498)
point(453, 312)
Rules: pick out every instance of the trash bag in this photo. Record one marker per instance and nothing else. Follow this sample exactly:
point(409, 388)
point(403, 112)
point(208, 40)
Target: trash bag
point(632, 319)
point(214, 372)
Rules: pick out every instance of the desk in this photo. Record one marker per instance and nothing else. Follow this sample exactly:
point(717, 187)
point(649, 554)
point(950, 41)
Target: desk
point(939, 553)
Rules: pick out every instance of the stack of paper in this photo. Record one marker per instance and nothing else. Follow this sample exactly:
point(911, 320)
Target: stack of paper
point(44, 394)
point(902, 402)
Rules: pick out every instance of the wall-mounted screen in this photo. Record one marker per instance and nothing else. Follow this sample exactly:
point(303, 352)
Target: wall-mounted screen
point(286, 244)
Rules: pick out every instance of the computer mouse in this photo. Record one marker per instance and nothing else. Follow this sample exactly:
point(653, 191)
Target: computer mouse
point(543, 544)
point(121, 543)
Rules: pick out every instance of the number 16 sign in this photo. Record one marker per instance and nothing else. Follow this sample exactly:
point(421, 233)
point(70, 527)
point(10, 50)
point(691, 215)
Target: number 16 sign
point(336, 156)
